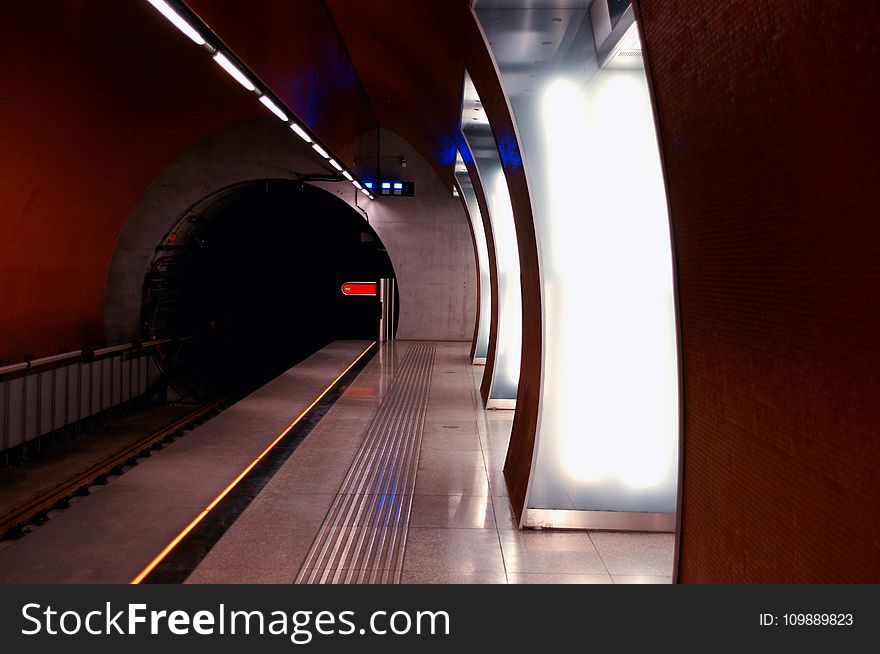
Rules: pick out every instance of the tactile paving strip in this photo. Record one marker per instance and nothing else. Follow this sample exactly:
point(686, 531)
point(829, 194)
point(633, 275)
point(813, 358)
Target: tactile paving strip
point(363, 536)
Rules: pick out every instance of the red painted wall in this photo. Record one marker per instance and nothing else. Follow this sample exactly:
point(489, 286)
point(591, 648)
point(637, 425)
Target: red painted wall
point(768, 125)
point(100, 96)
point(407, 57)
point(97, 98)
point(295, 49)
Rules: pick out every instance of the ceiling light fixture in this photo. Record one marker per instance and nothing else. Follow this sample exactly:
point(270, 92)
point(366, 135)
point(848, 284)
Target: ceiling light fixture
point(244, 76)
point(233, 71)
point(271, 106)
point(301, 132)
point(178, 21)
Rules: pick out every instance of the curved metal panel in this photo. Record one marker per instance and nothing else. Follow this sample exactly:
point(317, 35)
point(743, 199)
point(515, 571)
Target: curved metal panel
point(503, 376)
point(481, 66)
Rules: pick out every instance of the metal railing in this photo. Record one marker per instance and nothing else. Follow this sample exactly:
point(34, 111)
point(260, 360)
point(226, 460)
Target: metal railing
point(41, 396)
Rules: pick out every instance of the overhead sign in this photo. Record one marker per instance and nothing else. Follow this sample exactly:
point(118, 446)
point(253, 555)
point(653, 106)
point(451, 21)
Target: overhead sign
point(359, 288)
point(402, 189)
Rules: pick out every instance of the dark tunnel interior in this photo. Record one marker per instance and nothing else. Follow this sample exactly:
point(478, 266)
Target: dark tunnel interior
point(255, 272)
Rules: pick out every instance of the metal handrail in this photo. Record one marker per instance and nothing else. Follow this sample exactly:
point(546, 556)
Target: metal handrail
point(86, 355)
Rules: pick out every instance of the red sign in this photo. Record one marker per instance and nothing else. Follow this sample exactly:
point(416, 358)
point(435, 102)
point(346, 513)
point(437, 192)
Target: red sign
point(359, 288)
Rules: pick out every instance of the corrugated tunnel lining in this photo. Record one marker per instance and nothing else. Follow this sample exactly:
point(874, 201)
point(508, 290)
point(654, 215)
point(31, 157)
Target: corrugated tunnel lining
point(363, 536)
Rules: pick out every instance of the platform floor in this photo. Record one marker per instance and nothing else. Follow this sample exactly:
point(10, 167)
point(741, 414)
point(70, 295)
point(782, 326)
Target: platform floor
point(400, 482)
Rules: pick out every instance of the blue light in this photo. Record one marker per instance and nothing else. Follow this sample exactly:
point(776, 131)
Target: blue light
point(386, 184)
point(398, 186)
point(508, 148)
point(368, 184)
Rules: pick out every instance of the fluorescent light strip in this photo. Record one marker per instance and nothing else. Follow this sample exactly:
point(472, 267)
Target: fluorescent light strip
point(347, 175)
point(192, 525)
point(236, 74)
point(165, 9)
point(178, 21)
point(271, 106)
point(301, 132)
point(357, 185)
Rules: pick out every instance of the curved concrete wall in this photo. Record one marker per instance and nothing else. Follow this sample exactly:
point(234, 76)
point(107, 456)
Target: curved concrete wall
point(426, 237)
point(428, 240)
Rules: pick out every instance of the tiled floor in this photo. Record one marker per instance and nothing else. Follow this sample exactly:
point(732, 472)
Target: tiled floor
point(462, 526)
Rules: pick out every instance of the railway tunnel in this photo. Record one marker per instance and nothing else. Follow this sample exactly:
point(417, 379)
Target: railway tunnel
point(489, 291)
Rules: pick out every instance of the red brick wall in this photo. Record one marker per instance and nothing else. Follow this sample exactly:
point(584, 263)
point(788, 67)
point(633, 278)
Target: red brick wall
point(767, 115)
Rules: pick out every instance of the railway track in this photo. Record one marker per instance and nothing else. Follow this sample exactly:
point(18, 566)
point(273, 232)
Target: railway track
point(35, 511)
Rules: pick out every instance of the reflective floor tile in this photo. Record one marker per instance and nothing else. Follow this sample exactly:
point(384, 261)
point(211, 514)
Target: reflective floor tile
point(446, 550)
point(550, 552)
point(635, 553)
point(452, 511)
point(556, 578)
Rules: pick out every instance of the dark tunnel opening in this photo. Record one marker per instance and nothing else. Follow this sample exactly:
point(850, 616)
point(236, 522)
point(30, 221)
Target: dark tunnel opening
point(254, 273)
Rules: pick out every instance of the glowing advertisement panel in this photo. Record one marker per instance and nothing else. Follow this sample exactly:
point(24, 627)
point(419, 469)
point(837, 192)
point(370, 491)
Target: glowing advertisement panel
point(481, 142)
point(481, 345)
point(607, 433)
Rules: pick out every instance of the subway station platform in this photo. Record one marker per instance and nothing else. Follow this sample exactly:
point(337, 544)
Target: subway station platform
point(362, 464)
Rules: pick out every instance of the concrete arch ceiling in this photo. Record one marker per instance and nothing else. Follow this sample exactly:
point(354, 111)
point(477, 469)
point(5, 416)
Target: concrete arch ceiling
point(259, 150)
point(104, 95)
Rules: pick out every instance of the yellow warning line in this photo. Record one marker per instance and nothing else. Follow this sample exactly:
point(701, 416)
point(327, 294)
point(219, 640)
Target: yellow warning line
point(192, 525)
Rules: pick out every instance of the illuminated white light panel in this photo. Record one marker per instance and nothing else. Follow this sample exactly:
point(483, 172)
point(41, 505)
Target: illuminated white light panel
point(607, 437)
point(178, 21)
point(508, 348)
point(481, 346)
point(320, 150)
point(504, 382)
point(233, 71)
point(335, 165)
point(271, 106)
